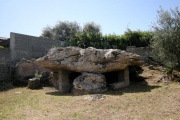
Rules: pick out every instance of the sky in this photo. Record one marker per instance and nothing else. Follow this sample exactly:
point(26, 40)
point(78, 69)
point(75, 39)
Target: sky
point(114, 16)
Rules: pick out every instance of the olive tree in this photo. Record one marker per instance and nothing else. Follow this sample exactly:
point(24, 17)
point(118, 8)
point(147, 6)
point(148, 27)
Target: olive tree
point(63, 31)
point(92, 35)
point(166, 40)
point(91, 28)
point(47, 32)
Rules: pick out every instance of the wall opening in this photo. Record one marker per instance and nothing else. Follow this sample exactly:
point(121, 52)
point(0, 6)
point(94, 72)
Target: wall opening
point(134, 76)
point(111, 77)
point(72, 76)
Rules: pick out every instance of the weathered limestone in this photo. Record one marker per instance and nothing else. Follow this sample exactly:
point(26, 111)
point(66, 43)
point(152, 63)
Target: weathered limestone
point(60, 81)
point(126, 76)
point(26, 69)
point(87, 60)
point(34, 83)
point(89, 83)
point(123, 80)
point(54, 79)
point(63, 81)
point(91, 63)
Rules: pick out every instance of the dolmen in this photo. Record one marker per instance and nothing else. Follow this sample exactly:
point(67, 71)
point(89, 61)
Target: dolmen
point(90, 70)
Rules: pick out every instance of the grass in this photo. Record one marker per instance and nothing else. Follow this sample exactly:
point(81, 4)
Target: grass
point(161, 102)
point(136, 102)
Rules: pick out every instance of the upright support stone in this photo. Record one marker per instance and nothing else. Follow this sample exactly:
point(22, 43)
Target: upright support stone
point(123, 79)
point(54, 79)
point(126, 76)
point(63, 81)
point(121, 76)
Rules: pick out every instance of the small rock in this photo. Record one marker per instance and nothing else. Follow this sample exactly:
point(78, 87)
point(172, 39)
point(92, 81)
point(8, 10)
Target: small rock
point(95, 97)
point(34, 83)
point(18, 92)
point(118, 85)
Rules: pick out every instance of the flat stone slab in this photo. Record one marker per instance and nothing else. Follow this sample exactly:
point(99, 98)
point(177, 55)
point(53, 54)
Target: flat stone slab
point(87, 60)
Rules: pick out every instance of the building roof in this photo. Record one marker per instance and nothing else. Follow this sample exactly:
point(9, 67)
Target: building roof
point(3, 38)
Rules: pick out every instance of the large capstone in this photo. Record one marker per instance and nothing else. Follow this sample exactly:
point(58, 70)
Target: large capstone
point(87, 60)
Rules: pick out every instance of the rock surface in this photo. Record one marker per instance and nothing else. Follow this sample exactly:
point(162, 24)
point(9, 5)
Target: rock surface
point(87, 60)
point(34, 83)
point(37, 82)
point(45, 79)
point(118, 85)
point(26, 69)
point(89, 83)
point(95, 97)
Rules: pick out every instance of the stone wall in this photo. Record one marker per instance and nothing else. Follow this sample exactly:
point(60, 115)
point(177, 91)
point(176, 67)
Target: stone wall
point(142, 51)
point(28, 47)
point(23, 46)
point(4, 64)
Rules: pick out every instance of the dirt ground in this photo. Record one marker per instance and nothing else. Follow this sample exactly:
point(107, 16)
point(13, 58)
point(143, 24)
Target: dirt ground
point(154, 101)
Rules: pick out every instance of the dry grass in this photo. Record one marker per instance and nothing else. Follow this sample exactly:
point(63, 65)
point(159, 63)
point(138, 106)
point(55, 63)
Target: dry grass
point(137, 102)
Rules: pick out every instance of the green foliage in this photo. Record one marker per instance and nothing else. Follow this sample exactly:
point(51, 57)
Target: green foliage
point(168, 70)
point(1, 46)
point(97, 40)
point(137, 38)
point(91, 28)
point(37, 74)
point(166, 40)
point(47, 32)
point(90, 36)
point(63, 31)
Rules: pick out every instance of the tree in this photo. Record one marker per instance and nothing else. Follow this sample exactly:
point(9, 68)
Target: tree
point(166, 40)
point(47, 32)
point(73, 35)
point(63, 31)
point(91, 35)
point(92, 28)
point(84, 40)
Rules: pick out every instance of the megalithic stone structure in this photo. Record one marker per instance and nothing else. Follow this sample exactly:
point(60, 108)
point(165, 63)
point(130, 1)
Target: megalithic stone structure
point(63, 60)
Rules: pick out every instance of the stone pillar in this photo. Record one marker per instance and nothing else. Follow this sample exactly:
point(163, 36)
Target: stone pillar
point(126, 76)
point(63, 81)
point(123, 79)
point(121, 76)
point(54, 79)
